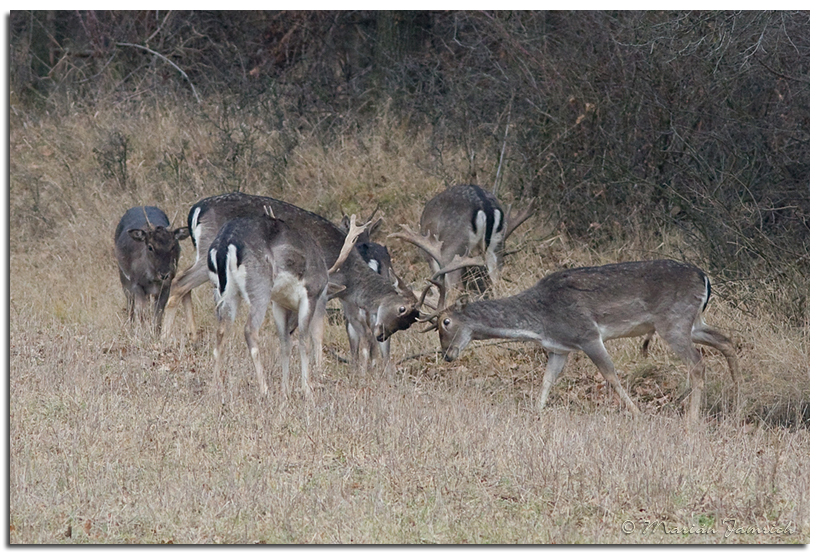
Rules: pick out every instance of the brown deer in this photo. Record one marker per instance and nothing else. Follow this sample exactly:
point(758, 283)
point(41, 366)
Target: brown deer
point(392, 305)
point(468, 221)
point(265, 262)
point(364, 348)
point(580, 309)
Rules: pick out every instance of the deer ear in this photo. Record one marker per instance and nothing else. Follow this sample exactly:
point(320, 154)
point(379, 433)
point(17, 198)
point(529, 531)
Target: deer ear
point(375, 226)
point(182, 233)
point(394, 280)
point(137, 234)
point(334, 290)
point(462, 302)
point(398, 285)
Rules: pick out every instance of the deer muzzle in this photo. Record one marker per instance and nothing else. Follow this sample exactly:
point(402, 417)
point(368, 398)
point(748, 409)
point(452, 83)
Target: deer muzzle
point(451, 354)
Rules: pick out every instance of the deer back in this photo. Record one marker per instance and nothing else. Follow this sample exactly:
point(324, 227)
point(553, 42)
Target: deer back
point(362, 286)
point(268, 250)
point(463, 217)
point(622, 296)
point(574, 306)
point(208, 215)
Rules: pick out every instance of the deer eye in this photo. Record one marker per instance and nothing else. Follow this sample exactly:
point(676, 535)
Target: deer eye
point(402, 309)
point(446, 322)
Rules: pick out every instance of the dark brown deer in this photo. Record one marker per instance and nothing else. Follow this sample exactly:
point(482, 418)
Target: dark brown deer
point(147, 252)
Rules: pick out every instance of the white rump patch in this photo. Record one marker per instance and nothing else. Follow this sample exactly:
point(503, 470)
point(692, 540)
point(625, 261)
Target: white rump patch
point(288, 291)
point(196, 229)
point(235, 277)
point(705, 297)
point(496, 236)
point(477, 237)
point(212, 275)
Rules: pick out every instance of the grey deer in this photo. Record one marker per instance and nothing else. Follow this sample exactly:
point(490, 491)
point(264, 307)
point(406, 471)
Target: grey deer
point(147, 252)
point(580, 309)
point(395, 308)
point(364, 348)
point(468, 221)
point(263, 261)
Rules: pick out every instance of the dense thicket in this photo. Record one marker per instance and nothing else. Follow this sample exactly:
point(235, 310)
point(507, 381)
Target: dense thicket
point(618, 122)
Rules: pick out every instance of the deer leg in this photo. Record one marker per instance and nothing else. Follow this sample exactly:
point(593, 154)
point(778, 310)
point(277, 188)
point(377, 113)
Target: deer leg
point(280, 317)
point(181, 288)
point(680, 340)
point(188, 306)
point(555, 365)
point(357, 334)
point(600, 357)
point(384, 351)
point(317, 334)
point(159, 307)
point(171, 309)
point(354, 338)
point(709, 336)
point(129, 297)
point(218, 385)
point(367, 358)
point(142, 301)
point(255, 319)
point(493, 265)
point(306, 309)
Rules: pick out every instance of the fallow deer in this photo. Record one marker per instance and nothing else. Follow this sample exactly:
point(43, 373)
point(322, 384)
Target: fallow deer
point(394, 308)
point(264, 261)
point(147, 252)
point(469, 221)
point(364, 348)
point(580, 309)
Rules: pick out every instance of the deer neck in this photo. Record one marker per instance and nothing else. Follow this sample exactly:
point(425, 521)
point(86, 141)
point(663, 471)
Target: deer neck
point(363, 287)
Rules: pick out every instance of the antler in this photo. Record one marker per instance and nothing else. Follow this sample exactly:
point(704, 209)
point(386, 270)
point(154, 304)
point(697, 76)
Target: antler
point(430, 284)
point(433, 246)
point(457, 263)
point(439, 284)
point(437, 280)
point(350, 242)
point(171, 224)
point(427, 242)
point(148, 221)
point(371, 225)
point(516, 220)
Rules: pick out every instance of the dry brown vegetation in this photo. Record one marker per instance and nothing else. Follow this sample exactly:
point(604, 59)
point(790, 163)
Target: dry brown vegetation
point(115, 438)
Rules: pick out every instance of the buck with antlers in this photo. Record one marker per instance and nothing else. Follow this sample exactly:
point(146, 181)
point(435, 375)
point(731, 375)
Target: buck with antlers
point(147, 253)
point(394, 308)
point(264, 261)
point(364, 348)
point(468, 221)
point(580, 309)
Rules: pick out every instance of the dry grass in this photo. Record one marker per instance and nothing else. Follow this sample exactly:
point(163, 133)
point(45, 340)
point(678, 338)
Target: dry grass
point(114, 438)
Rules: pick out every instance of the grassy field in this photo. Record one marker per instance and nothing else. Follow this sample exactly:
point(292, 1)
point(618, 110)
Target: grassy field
point(115, 438)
